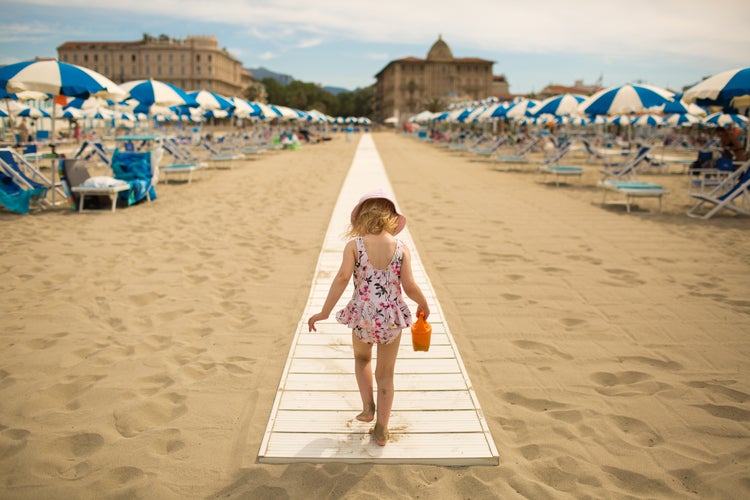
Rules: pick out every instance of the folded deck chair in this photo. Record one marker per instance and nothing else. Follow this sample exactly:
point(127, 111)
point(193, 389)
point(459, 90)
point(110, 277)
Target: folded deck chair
point(633, 189)
point(77, 180)
point(134, 167)
point(733, 194)
point(627, 168)
point(24, 173)
point(220, 159)
point(491, 148)
point(16, 194)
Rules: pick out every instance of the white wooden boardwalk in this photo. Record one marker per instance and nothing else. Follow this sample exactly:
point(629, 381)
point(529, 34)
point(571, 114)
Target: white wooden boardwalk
point(436, 417)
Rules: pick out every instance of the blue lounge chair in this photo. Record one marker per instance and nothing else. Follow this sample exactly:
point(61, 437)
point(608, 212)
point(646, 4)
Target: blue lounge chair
point(633, 189)
point(733, 194)
point(89, 150)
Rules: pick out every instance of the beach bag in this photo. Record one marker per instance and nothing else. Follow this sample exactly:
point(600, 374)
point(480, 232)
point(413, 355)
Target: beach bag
point(421, 331)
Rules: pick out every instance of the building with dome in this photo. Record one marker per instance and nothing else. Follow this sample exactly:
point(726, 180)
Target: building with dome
point(410, 85)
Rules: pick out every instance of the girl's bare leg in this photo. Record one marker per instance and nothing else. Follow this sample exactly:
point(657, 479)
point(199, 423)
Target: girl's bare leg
point(363, 373)
point(384, 370)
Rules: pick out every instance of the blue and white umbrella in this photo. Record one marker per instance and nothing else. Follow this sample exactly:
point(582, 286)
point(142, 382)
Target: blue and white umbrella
point(682, 120)
point(30, 112)
point(150, 92)
point(730, 89)
point(560, 105)
point(648, 120)
point(725, 120)
point(56, 78)
point(679, 106)
point(626, 99)
point(211, 101)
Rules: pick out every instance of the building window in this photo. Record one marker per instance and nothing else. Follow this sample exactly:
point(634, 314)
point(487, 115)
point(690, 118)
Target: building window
point(75, 57)
point(132, 57)
point(197, 58)
point(182, 57)
point(148, 57)
point(96, 57)
point(158, 57)
point(121, 58)
point(158, 70)
point(170, 57)
point(171, 70)
point(209, 57)
point(85, 58)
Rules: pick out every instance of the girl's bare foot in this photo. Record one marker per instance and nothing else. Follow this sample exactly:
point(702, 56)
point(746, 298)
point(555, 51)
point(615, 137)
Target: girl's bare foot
point(367, 415)
point(379, 434)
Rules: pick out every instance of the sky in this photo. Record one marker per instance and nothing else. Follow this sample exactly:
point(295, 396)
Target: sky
point(345, 43)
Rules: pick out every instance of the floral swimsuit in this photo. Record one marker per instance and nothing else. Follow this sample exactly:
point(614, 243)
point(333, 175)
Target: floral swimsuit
point(377, 312)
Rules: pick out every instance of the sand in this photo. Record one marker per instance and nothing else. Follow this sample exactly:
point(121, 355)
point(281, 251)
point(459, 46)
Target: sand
point(141, 349)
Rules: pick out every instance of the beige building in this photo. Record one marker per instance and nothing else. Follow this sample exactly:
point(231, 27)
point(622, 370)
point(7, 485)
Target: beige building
point(407, 86)
point(195, 63)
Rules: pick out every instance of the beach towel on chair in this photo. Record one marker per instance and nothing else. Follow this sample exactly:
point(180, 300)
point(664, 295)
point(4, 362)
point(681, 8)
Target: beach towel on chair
point(135, 169)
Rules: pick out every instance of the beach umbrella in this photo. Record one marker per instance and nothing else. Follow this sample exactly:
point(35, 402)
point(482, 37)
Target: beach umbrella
point(210, 100)
point(648, 120)
point(730, 89)
point(525, 107)
point(150, 92)
point(561, 105)
point(725, 120)
point(682, 120)
point(56, 78)
point(681, 107)
point(625, 99)
point(29, 112)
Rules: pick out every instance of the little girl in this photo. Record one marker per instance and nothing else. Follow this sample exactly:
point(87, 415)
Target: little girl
point(377, 313)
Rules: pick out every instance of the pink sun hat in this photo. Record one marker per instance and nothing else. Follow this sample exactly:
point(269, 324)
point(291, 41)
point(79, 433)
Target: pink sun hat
point(379, 193)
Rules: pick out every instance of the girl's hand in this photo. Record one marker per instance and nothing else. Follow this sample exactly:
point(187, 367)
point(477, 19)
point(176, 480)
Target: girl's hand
point(425, 309)
point(313, 319)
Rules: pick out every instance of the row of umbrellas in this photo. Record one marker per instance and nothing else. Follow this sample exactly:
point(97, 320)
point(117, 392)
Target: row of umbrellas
point(729, 89)
point(43, 78)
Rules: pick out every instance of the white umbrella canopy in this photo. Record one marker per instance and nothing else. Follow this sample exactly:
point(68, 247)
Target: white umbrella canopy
point(211, 100)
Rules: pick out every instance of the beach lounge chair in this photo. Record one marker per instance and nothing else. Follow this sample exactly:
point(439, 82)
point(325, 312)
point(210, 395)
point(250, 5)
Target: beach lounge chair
point(627, 168)
point(135, 168)
point(633, 189)
point(521, 153)
point(16, 193)
point(490, 148)
point(220, 159)
point(733, 194)
point(76, 178)
point(89, 150)
point(551, 166)
point(607, 156)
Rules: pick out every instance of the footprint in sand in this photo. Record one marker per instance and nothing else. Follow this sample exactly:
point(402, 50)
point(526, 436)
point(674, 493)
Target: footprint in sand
point(715, 388)
point(12, 441)
point(537, 405)
point(539, 347)
point(80, 445)
point(144, 415)
point(636, 431)
point(168, 441)
point(626, 276)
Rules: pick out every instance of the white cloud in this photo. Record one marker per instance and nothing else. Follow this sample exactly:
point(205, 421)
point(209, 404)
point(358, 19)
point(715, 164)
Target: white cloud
point(267, 55)
point(377, 56)
point(306, 44)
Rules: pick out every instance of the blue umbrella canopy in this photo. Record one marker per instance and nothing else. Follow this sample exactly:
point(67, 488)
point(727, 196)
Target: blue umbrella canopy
point(150, 92)
point(730, 89)
point(625, 99)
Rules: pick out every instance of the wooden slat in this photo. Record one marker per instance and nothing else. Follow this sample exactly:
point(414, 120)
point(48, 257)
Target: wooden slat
point(346, 382)
point(310, 365)
point(440, 449)
point(349, 400)
point(336, 422)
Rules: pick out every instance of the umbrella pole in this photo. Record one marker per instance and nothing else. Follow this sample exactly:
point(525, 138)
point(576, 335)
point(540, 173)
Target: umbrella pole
point(52, 148)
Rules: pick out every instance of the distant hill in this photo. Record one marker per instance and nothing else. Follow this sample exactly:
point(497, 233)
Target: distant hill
point(336, 90)
point(262, 73)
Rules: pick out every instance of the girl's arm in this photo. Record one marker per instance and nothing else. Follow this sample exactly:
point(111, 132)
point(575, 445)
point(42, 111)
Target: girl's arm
point(337, 286)
point(410, 286)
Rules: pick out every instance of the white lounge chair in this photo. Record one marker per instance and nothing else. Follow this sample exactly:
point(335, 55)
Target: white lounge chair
point(633, 189)
point(626, 169)
point(733, 194)
point(551, 167)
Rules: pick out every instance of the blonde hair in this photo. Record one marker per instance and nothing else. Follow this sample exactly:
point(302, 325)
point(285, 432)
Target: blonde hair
point(374, 216)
